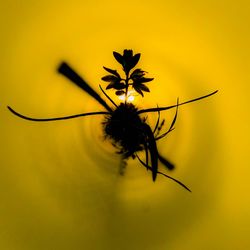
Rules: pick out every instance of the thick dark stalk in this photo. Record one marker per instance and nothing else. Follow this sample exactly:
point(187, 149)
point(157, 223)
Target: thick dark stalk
point(67, 71)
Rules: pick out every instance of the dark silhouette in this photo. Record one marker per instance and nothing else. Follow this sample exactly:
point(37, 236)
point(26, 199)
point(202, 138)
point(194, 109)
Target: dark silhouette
point(123, 123)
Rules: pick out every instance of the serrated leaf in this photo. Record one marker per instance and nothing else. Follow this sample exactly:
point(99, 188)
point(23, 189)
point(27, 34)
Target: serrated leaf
point(144, 88)
point(144, 79)
point(109, 78)
point(138, 90)
point(110, 86)
point(137, 73)
point(112, 71)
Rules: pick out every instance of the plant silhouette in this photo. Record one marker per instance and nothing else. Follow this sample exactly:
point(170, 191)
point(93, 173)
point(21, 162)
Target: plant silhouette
point(124, 124)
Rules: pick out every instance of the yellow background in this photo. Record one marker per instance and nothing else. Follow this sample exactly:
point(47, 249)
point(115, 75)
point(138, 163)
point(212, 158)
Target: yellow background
point(59, 182)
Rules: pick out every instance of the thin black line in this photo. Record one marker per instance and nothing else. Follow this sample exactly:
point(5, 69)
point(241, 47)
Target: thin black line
point(157, 123)
point(173, 106)
point(107, 95)
point(56, 118)
point(148, 167)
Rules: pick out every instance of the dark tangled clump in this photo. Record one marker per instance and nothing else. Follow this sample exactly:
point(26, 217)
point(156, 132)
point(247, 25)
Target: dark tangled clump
point(125, 128)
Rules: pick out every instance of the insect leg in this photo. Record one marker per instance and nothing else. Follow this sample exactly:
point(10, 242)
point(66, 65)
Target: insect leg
point(173, 106)
point(150, 168)
point(56, 118)
point(67, 71)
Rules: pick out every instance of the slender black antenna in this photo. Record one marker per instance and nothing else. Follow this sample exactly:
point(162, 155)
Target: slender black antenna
point(173, 106)
point(67, 71)
point(57, 118)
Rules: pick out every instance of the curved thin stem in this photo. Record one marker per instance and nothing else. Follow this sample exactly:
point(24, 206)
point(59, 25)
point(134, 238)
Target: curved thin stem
point(107, 96)
point(56, 118)
point(173, 106)
point(163, 135)
point(157, 123)
point(173, 179)
point(172, 124)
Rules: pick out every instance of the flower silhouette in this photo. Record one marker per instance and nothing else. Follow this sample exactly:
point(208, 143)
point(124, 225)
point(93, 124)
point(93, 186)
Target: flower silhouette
point(136, 79)
point(127, 60)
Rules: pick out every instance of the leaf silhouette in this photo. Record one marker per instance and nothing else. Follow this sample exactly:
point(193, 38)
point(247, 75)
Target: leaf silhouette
point(134, 60)
point(120, 92)
point(110, 78)
point(118, 57)
point(113, 72)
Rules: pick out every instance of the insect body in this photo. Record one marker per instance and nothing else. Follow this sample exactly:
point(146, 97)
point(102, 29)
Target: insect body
point(124, 124)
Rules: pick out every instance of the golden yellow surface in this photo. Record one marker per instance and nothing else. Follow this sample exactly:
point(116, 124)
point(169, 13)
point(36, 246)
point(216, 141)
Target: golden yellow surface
point(59, 182)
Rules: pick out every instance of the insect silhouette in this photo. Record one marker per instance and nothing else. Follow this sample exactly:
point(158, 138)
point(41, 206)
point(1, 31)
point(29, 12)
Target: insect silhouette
point(124, 124)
